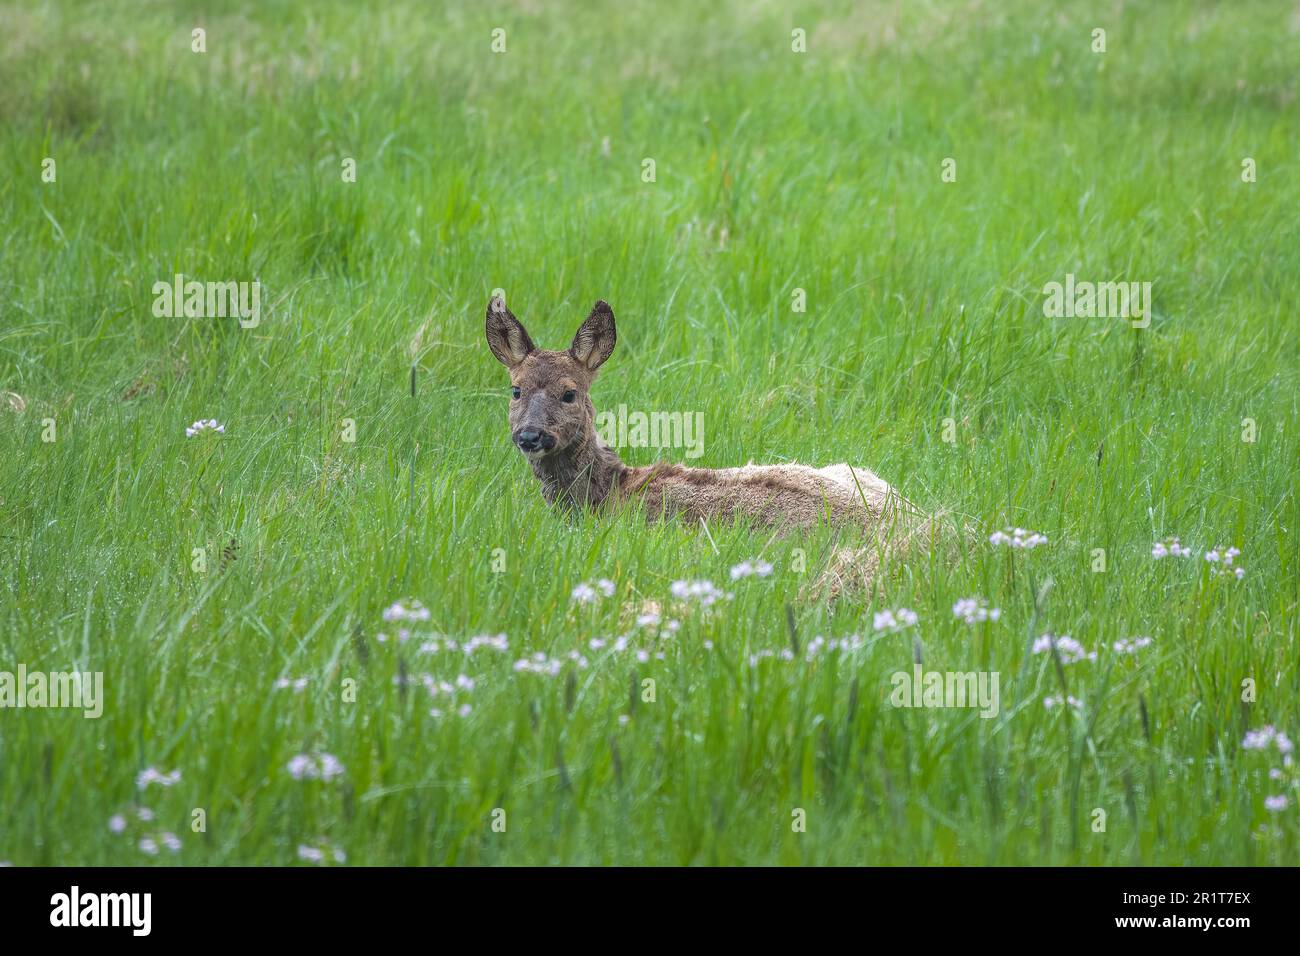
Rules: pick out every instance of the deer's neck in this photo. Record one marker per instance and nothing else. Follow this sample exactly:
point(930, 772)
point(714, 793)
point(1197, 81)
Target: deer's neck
point(583, 475)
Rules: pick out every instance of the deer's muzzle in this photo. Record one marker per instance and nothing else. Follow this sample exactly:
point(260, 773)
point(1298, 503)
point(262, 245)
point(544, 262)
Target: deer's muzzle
point(531, 440)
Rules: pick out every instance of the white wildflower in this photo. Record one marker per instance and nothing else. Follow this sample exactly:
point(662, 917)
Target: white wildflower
point(975, 610)
point(397, 611)
point(209, 425)
point(1170, 548)
point(750, 568)
point(702, 591)
point(152, 775)
point(1053, 702)
point(1068, 648)
point(893, 620)
point(322, 766)
point(1018, 538)
point(1131, 645)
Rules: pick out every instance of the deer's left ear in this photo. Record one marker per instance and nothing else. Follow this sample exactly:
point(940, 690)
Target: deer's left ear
point(595, 339)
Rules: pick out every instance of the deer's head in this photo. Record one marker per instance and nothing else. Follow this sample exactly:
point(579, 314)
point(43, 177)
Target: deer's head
point(550, 407)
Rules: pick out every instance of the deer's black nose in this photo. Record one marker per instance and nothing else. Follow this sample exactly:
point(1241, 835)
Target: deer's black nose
point(530, 439)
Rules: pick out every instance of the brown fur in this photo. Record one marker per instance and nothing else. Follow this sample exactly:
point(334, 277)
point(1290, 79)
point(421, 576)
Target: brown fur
point(580, 471)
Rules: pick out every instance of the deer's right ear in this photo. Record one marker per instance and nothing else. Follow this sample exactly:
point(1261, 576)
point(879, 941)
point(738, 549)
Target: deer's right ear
point(506, 336)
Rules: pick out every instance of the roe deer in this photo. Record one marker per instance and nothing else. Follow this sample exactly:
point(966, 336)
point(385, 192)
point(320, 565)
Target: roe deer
point(552, 421)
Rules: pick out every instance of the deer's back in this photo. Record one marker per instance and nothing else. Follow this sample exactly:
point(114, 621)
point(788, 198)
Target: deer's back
point(791, 494)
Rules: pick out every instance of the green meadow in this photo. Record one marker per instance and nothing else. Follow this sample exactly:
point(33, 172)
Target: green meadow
point(834, 255)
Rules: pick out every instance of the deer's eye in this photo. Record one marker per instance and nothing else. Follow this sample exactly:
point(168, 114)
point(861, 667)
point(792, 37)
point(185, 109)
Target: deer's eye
point(569, 396)
point(514, 391)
